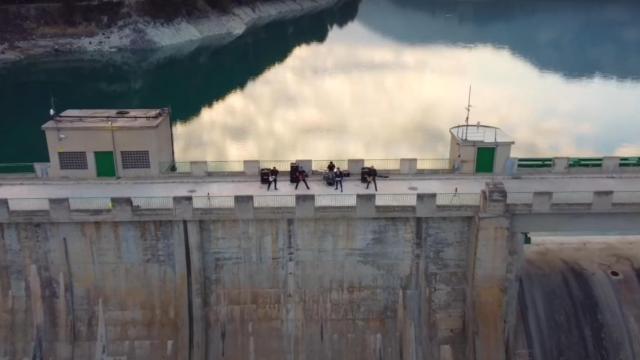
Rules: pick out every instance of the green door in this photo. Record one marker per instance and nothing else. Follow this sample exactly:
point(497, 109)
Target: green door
point(105, 166)
point(484, 159)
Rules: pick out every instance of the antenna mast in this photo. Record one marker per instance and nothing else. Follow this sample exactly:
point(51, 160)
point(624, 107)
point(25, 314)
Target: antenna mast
point(466, 120)
point(52, 109)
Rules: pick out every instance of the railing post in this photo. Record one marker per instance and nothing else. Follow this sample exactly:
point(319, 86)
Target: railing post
point(610, 164)
point(425, 204)
point(59, 209)
point(355, 165)
point(251, 167)
point(305, 206)
point(41, 169)
point(4, 210)
point(122, 208)
point(365, 205)
point(183, 207)
point(602, 200)
point(541, 201)
point(408, 166)
point(199, 168)
point(244, 206)
point(560, 165)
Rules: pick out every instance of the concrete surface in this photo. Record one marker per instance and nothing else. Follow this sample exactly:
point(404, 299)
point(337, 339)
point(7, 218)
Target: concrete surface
point(305, 283)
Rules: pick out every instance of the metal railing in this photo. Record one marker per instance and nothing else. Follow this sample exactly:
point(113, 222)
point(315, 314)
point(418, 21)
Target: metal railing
point(32, 204)
point(91, 203)
point(321, 165)
point(585, 162)
point(629, 162)
point(17, 168)
point(396, 199)
point(225, 166)
point(154, 202)
point(213, 202)
point(383, 164)
point(433, 164)
point(338, 200)
point(535, 163)
point(261, 201)
point(458, 199)
point(282, 165)
point(572, 197)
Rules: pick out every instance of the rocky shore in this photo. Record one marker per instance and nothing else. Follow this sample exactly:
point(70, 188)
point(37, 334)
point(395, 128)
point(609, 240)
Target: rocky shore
point(145, 33)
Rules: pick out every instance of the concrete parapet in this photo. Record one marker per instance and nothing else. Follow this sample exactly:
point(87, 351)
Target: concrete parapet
point(199, 168)
point(251, 167)
point(425, 205)
point(541, 201)
point(244, 206)
point(355, 165)
point(408, 166)
point(560, 165)
point(610, 164)
point(365, 205)
point(59, 209)
point(122, 208)
point(602, 200)
point(183, 206)
point(305, 206)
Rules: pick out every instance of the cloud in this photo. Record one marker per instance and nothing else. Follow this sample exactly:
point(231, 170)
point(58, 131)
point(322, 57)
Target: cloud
point(338, 101)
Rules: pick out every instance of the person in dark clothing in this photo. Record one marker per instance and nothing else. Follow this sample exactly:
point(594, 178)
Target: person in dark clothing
point(331, 166)
point(302, 176)
point(273, 178)
point(373, 173)
point(338, 179)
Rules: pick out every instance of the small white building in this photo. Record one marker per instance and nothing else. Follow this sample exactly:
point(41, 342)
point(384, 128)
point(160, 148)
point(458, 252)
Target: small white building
point(109, 143)
point(479, 149)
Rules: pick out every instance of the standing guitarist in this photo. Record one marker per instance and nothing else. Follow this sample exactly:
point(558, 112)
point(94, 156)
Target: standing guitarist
point(373, 173)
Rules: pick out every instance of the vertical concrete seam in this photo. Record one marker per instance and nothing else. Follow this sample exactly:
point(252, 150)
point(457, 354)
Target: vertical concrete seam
point(71, 296)
point(187, 260)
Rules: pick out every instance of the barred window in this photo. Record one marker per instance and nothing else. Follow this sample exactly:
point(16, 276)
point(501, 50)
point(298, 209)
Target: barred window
point(73, 160)
point(135, 159)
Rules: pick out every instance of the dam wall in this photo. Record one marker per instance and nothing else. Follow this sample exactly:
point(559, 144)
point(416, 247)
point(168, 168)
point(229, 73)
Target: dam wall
point(357, 276)
point(358, 288)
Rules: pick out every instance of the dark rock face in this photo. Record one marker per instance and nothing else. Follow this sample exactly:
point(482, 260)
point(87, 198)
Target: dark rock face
point(579, 302)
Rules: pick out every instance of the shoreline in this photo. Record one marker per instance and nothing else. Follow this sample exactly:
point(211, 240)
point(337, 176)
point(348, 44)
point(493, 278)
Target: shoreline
point(139, 33)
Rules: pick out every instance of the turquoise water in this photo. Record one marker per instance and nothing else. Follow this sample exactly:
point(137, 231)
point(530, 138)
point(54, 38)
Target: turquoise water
point(376, 79)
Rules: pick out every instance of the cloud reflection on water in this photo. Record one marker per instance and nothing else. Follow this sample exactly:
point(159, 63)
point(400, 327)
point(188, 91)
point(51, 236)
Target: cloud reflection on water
point(347, 100)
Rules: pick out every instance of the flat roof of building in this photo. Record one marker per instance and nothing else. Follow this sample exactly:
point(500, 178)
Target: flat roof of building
point(107, 118)
point(480, 133)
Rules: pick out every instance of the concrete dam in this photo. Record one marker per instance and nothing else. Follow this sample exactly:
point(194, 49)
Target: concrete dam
point(273, 288)
point(127, 254)
point(375, 279)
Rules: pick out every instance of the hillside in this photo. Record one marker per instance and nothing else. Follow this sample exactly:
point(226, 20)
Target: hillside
point(31, 27)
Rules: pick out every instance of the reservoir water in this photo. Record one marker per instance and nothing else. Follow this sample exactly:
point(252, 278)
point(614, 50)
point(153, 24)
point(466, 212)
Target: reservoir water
point(374, 79)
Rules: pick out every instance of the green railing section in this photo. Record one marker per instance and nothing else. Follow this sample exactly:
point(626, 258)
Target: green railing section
point(629, 162)
point(18, 168)
point(585, 162)
point(535, 163)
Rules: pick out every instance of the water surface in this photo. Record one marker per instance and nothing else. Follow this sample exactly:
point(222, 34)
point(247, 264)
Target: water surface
point(376, 79)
